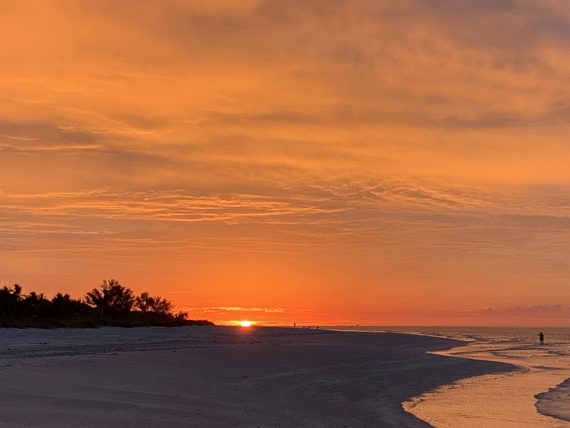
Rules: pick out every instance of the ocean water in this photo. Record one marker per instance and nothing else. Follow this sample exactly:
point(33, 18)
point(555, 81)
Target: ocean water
point(510, 335)
point(537, 394)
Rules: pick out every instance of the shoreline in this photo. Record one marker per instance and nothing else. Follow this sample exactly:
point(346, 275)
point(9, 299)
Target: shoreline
point(536, 391)
point(555, 401)
point(221, 376)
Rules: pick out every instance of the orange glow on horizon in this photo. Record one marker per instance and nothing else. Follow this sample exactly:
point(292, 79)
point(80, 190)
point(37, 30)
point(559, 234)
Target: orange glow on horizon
point(246, 324)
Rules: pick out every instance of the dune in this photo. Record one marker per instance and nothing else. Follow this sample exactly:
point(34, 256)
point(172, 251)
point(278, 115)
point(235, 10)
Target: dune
point(220, 377)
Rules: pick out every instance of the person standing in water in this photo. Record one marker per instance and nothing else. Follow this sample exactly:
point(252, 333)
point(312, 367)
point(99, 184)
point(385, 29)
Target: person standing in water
point(541, 337)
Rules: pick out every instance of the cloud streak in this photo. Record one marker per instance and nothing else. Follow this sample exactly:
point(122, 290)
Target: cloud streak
point(418, 155)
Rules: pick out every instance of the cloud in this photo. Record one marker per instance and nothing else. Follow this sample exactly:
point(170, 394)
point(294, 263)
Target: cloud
point(558, 312)
point(222, 309)
point(414, 148)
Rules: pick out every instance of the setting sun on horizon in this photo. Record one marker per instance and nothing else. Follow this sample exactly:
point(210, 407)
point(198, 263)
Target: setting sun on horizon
point(291, 162)
point(246, 323)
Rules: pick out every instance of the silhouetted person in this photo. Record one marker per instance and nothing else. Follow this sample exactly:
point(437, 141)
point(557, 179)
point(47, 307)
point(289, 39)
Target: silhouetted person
point(541, 337)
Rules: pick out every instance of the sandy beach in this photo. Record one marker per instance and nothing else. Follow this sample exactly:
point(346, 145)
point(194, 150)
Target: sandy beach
point(220, 377)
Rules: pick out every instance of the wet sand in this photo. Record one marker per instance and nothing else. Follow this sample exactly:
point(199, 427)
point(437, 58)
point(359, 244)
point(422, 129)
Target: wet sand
point(220, 376)
point(528, 397)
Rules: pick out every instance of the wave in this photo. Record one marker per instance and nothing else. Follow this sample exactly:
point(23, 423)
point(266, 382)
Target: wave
point(555, 402)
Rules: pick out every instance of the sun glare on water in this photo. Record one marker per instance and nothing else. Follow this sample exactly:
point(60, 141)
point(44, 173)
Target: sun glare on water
point(245, 323)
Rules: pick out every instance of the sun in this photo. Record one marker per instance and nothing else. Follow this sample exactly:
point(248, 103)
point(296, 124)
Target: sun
point(245, 323)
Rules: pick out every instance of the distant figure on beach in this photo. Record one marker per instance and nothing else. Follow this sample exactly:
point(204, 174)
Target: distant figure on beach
point(541, 337)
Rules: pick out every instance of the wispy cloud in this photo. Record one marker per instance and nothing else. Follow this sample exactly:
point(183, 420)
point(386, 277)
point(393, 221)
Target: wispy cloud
point(423, 146)
point(246, 309)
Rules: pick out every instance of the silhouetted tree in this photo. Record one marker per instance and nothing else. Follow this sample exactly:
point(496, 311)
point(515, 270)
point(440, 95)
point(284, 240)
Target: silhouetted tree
point(183, 316)
point(110, 304)
point(35, 304)
point(64, 305)
point(111, 298)
point(61, 301)
point(9, 299)
point(157, 305)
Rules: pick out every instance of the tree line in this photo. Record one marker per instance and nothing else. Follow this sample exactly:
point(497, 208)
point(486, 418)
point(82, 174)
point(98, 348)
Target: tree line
point(112, 304)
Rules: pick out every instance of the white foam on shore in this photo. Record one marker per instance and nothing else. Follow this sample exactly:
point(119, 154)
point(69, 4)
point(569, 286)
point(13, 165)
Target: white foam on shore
point(556, 401)
point(501, 400)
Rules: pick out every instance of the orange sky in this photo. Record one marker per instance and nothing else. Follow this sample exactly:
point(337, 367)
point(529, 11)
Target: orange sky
point(323, 161)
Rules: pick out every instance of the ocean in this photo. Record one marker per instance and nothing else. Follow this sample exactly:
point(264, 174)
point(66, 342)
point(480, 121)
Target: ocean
point(536, 394)
point(513, 335)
